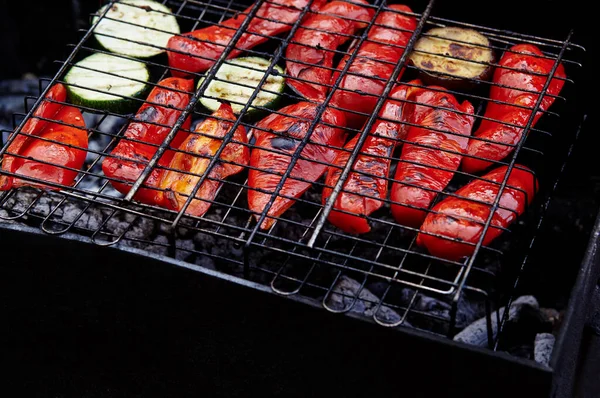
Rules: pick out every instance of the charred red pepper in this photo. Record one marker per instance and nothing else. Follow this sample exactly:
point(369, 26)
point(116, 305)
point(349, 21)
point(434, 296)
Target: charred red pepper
point(197, 51)
point(524, 60)
point(66, 148)
point(438, 135)
point(375, 61)
point(152, 124)
point(366, 185)
point(310, 52)
point(456, 223)
point(277, 138)
point(200, 146)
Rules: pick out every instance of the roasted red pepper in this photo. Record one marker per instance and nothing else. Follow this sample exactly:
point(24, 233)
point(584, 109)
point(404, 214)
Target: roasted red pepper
point(455, 225)
point(311, 50)
point(524, 59)
point(152, 124)
point(277, 138)
point(366, 185)
point(376, 58)
point(200, 146)
point(65, 127)
point(197, 51)
point(438, 135)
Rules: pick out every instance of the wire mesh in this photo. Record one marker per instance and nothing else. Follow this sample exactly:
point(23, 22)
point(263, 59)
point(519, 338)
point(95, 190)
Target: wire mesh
point(301, 253)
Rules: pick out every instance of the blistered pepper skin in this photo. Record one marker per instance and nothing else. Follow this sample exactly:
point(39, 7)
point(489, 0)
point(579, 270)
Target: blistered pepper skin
point(438, 135)
point(375, 60)
point(277, 139)
point(456, 224)
point(151, 125)
point(505, 128)
point(58, 156)
point(190, 164)
point(197, 51)
point(310, 52)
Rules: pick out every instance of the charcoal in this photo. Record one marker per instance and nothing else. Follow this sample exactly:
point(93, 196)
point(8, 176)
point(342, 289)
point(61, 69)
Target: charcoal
point(476, 332)
point(543, 345)
point(344, 292)
point(161, 247)
point(184, 248)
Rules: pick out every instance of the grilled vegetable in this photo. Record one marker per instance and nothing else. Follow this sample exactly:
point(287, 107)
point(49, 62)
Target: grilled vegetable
point(277, 139)
point(366, 185)
point(200, 147)
point(236, 81)
point(137, 28)
point(310, 52)
point(453, 57)
point(197, 51)
point(456, 223)
point(375, 60)
point(508, 110)
point(63, 145)
point(438, 135)
point(152, 124)
point(107, 82)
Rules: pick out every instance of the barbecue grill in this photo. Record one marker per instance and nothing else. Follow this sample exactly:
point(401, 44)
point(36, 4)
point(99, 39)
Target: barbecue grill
point(379, 279)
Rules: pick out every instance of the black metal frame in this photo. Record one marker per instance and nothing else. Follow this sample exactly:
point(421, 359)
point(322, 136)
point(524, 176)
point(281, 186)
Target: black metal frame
point(397, 262)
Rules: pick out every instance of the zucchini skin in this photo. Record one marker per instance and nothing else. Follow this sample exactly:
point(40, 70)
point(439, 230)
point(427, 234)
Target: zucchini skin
point(128, 159)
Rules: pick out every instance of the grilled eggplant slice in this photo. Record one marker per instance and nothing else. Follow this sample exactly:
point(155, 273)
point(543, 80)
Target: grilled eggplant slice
point(453, 57)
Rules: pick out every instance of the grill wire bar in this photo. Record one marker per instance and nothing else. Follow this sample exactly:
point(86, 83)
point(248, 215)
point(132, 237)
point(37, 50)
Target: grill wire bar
point(301, 249)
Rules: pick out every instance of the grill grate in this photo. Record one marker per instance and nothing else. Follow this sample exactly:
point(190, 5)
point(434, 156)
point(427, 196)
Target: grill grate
point(301, 253)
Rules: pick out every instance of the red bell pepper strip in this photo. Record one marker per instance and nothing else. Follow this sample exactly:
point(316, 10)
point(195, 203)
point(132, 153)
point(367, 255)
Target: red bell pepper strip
point(277, 138)
point(362, 194)
point(310, 52)
point(376, 59)
point(430, 157)
point(67, 148)
point(457, 221)
point(525, 58)
point(200, 146)
point(152, 124)
point(197, 51)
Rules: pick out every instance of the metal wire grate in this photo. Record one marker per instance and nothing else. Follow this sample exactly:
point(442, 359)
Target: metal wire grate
point(301, 253)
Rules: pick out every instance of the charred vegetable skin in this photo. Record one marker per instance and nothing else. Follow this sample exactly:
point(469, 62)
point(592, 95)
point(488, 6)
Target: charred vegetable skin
point(456, 224)
point(375, 61)
point(277, 138)
point(438, 135)
point(311, 50)
point(453, 57)
point(367, 184)
point(523, 60)
point(152, 124)
point(197, 51)
point(52, 121)
point(196, 152)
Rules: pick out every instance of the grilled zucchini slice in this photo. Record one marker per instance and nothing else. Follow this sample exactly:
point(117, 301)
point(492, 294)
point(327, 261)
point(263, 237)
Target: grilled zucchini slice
point(137, 28)
point(107, 82)
point(236, 81)
point(453, 57)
